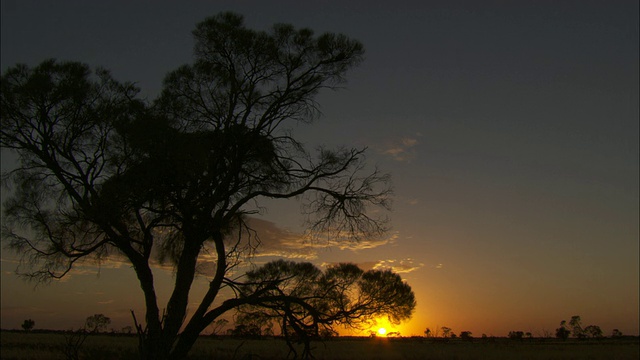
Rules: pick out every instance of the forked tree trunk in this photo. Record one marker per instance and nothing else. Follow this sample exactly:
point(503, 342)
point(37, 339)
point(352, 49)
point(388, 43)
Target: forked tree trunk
point(151, 343)
point(200, 319)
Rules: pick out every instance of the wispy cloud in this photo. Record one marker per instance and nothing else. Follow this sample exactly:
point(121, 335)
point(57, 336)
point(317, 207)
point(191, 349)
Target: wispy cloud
point(272, 240)
point(275, 241)
point(402, 149)
point(265, 240)
point(399, 266)
point(412, 201)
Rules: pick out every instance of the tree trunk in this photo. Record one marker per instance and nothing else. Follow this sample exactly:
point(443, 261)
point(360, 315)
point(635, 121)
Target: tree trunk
point(151, 345)
point(177, 305)
point(199, 321)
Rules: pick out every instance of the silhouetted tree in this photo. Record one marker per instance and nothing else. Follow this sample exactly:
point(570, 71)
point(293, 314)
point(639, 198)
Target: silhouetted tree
point(427, 333)
point(97, 323)
point(593, 331)
point(307, 302)
point(516, 335)
point(73, 343)
point(466, 335)
point(616, 333)
point(104, 174)
point(576, 327)
point(216, 326)
point(74, 340)
point(446, 332)
point(28, 325)
point(562, 332)
point(253, 324)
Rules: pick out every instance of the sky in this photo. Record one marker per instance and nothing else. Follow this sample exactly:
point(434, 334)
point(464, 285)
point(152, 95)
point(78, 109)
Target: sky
point(510, 130)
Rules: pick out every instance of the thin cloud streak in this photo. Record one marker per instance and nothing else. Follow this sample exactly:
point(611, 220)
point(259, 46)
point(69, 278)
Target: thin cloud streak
point(402, 150)
point(399, 266)
point(402, 266)
point(266, 240)
point(275, 241)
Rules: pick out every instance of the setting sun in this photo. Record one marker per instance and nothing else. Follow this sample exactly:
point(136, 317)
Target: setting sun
point(382, 331)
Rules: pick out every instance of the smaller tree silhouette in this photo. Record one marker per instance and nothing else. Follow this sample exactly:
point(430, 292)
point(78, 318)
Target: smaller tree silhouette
point(216, 326)
point(593, 331)
point(253, 325)
point(427, 333)
point(73, 341)
point(466, 335)
point(97, 323)
point(616, 333)
point(446, 332)
point(576, 327)
point(28, 325)
point(562, 332)
point(516, 335)
point(304, 300)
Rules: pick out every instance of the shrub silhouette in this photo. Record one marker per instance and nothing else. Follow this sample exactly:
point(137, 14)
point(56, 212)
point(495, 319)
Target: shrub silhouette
point(28, 325)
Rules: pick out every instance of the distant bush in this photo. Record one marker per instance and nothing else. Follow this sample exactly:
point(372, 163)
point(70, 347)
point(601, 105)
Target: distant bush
point(593, 331)
point(97, 323)
point(28, 325)
point(562, 332)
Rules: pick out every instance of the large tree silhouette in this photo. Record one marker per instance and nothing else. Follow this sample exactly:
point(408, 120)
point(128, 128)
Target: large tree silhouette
point(102, 173)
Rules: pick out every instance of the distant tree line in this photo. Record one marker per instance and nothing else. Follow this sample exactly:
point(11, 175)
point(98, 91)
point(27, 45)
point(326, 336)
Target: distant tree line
point(576, 330)
point(257, 325)
point(573, 328)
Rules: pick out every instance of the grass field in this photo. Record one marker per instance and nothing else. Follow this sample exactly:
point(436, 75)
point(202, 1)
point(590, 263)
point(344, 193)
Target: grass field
point(19, 345)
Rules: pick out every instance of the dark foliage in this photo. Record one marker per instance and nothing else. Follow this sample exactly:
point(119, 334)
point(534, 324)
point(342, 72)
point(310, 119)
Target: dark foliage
point(308, 302)
point(105, 175)
point(28, 325)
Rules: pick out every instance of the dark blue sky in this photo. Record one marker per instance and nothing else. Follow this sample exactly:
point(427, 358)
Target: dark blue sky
point(510, 129)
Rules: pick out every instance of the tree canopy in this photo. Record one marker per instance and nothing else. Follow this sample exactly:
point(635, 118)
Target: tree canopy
point(102, 173)
point(97, 323)
point(308, 302)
